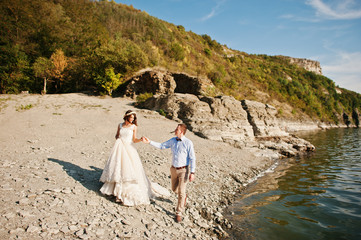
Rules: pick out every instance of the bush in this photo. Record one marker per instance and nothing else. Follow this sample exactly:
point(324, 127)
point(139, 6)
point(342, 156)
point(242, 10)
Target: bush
point(143, 97)
point(162, 112)
point(22, 107)
point(176, 52)
point(208, 52)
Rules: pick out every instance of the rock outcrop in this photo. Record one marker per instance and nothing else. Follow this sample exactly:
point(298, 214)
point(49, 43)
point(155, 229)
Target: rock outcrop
point(263, 119)
point(241, 124)
point(346, 119)
point(356, 117)
point(309, 65)
point(292, 126)
point(350, 120)
point(158, 81)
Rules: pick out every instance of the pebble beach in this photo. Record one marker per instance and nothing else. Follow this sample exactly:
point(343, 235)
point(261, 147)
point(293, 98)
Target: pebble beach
point(53, 151)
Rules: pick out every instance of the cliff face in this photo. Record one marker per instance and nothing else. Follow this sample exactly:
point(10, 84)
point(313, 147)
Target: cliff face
point(309, 65)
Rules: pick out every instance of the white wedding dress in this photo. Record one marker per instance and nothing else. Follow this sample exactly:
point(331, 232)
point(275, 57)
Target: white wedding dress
point(123, 175)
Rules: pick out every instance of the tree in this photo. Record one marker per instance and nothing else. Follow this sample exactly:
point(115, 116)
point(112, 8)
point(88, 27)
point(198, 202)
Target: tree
point(110, 81)
point(14, 70)
point(123, 55)
point(42, 68)
point(60, 62)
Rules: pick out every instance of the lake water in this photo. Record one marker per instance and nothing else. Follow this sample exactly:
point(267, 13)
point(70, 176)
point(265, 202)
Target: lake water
point(317, 196)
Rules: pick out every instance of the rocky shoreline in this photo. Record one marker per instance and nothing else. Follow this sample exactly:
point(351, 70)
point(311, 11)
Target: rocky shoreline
point(242, 124)
point(54, 148)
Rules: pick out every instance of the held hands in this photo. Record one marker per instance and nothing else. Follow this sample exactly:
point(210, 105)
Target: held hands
point(145, 139)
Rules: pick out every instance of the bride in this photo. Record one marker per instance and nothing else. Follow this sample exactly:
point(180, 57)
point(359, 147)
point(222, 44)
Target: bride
point(123, 175)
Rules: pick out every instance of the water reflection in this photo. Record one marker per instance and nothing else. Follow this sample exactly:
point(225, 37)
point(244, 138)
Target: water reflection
point(312, 197)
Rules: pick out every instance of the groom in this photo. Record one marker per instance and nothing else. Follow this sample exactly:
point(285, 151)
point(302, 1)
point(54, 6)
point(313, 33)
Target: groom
point(183, 164)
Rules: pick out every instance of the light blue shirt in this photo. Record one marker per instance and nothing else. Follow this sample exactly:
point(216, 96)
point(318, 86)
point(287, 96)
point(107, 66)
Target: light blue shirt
point(183, 152)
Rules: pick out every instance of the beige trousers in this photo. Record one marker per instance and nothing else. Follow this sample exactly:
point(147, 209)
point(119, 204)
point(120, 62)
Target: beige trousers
point(179, 178)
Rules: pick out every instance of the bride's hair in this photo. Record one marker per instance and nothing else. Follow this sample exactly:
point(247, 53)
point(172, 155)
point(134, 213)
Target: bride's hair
point(127, 116)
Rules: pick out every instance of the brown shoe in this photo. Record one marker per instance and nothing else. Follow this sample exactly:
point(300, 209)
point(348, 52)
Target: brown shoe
point(178, 218)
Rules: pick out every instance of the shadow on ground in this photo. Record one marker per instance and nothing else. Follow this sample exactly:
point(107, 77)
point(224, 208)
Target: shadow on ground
point(88, 178)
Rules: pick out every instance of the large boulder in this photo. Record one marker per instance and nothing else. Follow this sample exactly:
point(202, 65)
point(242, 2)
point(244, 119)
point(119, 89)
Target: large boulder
point(156, 82)
point(228, 123)
point(160, 81)
point(263, 119)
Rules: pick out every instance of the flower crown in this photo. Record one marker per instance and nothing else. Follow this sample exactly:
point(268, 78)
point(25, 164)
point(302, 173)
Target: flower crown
point(129, 114)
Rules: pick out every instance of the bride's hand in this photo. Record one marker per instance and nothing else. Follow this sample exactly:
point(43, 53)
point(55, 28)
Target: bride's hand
point(145, 140)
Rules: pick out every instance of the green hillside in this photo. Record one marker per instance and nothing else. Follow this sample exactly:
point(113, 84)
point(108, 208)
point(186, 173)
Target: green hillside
point(83, 45)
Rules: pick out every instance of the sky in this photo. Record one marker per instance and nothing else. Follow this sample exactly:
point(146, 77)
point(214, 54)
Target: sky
point(328, 31)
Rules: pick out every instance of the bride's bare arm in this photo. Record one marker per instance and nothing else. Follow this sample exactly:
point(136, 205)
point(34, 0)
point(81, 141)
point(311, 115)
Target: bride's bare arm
point(117, 134)
point(135, 139)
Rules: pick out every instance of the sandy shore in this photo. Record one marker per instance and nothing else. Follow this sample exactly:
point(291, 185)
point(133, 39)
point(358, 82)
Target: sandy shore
point(53, 150)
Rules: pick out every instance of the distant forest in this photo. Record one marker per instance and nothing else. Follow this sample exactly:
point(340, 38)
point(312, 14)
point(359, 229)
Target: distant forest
point(62, 46)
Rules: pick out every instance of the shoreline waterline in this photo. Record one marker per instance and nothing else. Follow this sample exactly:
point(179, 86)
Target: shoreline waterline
point(318, 192)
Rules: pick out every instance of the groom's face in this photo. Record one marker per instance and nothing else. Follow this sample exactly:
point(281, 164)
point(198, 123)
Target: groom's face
point(178, 131)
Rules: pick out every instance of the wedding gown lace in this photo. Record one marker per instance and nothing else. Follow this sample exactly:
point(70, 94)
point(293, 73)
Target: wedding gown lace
point(124, 176)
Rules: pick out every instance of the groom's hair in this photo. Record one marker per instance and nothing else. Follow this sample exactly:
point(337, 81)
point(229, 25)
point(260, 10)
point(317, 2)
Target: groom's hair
point(183, 127)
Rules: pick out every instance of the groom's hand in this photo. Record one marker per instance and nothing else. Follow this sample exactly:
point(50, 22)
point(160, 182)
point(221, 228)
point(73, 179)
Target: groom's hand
point(146, 140)
point(192, 177)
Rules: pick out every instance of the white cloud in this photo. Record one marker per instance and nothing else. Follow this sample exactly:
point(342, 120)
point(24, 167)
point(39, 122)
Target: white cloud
point(210, 15)
point(214, 10)
point(297, 18)
point(345, 70)
point(343, 9)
